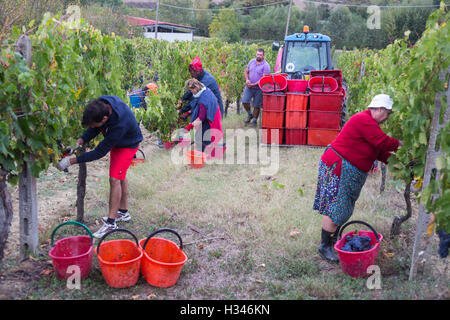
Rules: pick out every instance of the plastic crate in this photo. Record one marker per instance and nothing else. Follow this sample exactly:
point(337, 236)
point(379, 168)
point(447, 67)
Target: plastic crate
point(296, 101)
point(296, 136)
point(296, 119)
point(273, 119)
point(274, 102)
point(321, 137)
point(136, 101)
point(269, 135)
point(297, 85)
point(327, 101)
point(324, 119)
point(137, 98)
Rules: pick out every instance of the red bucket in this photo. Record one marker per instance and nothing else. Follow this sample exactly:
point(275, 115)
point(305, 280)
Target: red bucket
point(355, 264)
point(163, 259)
point(273, 83)
point(322, 84)
point(168, 145)
point(72, 251)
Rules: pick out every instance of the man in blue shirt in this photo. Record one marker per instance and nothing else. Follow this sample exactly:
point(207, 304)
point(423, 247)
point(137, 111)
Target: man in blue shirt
point(113, 118)
point(196, 70)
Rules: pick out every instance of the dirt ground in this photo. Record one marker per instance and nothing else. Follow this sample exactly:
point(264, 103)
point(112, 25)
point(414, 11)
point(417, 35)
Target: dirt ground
point(56, 204)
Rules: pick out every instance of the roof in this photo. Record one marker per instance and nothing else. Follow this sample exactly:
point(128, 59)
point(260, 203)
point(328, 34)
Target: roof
point(310, 37)
point(142, 22)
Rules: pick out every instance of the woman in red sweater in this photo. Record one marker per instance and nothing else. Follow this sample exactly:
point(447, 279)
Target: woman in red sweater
point(344, 166)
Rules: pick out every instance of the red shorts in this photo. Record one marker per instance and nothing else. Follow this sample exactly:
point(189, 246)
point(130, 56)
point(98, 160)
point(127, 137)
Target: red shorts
point(120, 161)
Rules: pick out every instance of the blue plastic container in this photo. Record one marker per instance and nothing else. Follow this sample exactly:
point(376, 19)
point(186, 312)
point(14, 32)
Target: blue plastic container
point(135, 99)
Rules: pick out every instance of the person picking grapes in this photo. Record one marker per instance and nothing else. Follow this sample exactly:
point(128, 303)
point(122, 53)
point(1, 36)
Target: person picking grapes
point(113, 118)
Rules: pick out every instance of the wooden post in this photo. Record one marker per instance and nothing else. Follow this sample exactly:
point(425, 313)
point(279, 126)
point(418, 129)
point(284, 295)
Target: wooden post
point(28, 218)
point(157, 20)
point(288, 19)
point(29, 239)
point(227, 105)
point(81, 187)
point(238, 105)
point(383, 177)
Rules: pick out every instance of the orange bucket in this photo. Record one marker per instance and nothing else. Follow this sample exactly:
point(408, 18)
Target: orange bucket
point(135, 161)
point(119, 260)
point(163, 259)
point(195, 159)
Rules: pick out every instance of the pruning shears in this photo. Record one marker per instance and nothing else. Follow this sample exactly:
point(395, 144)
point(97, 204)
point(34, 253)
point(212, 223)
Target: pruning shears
point(67, 151)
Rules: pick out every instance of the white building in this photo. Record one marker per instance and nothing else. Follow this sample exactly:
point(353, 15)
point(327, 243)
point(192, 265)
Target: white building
point(166, 30)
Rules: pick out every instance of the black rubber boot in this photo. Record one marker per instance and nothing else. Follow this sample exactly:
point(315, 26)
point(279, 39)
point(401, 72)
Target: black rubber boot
point(326, 249)
point(335, 235)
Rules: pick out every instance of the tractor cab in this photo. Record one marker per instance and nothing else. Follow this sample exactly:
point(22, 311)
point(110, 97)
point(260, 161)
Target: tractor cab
point(302, 53)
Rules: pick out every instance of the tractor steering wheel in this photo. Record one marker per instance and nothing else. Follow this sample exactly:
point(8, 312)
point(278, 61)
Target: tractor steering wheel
point(297, 75)
point(307, 68)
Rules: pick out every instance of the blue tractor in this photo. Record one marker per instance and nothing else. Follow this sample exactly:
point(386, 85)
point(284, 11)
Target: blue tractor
point(302, 53)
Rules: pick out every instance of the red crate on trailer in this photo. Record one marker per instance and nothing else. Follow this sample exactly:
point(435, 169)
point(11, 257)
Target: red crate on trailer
point(295, 85)
point(269, 135)
point(321, 137)
point(274, 101)
point(327, 101)
point(296, 119)
point(324, 119)
point(273, 119)
point(296, 101)
point(295, 136)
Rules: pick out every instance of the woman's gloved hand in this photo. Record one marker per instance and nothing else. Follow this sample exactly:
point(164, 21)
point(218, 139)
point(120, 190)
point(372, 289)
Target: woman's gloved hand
point(189, 127)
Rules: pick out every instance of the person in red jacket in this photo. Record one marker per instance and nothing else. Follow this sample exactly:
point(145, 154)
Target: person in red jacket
point(344, 166)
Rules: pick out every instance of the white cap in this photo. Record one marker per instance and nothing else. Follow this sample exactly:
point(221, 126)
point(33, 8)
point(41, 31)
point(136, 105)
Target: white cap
point(381, 101)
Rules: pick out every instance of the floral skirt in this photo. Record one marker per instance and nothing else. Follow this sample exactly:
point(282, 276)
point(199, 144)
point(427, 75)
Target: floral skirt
point(336, 196)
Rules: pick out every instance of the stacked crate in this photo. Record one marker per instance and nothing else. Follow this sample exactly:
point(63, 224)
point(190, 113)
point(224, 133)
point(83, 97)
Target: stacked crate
point(302, 116)
point(296, 118)
point(273, 117)
point(325, 111)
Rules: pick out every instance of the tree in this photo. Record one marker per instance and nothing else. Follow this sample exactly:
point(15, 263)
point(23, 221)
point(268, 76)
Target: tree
point(106, 19)
point(226, 26)
point(271, 23)
point(337, 26)
point(202, 18)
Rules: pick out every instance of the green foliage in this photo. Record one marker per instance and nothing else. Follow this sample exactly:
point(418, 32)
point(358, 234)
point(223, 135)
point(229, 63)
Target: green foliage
point(108, 19)
point(106, 2)
point(75, 63)
point(43, 104)
point(225, 26)
point(410, 74)
point(272, 21)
